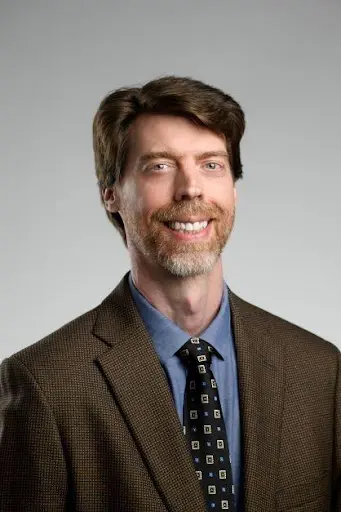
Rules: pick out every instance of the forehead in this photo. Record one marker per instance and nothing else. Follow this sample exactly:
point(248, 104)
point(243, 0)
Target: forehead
point(178, 135)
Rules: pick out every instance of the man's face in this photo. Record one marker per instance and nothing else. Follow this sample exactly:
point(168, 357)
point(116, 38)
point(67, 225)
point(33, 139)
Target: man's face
point(177, 196)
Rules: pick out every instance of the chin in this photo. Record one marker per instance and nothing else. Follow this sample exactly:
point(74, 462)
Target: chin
point(197, 265)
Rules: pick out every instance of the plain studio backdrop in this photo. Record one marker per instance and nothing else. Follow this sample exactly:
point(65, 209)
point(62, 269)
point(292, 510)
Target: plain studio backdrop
point(281, 59)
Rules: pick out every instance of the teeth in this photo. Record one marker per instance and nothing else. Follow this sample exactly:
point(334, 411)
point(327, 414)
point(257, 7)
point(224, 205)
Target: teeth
point(188, 226)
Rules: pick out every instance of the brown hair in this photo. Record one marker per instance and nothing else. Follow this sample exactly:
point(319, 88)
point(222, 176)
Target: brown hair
point(203, 104)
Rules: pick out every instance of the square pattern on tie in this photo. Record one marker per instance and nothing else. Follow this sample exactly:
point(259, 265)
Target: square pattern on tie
point(205, 428)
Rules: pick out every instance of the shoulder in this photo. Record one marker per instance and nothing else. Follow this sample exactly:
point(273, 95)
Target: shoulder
point(60, 346)
point(297, 341)
point(74, 347)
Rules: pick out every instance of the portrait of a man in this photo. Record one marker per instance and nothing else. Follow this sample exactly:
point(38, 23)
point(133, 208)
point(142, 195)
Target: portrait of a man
point(173, 393)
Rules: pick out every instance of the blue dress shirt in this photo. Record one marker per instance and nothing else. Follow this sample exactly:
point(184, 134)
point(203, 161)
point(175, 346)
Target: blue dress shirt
point(168, 338)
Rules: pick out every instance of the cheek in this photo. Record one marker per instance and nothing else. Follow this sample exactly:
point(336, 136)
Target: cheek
point(231, 199)
point(223, 195)
point(131, 199)
point(153, 197)
point(140, 204)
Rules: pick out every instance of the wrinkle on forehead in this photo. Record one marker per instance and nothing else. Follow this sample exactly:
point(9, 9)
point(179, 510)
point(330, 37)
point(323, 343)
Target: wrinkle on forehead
point(172, 134)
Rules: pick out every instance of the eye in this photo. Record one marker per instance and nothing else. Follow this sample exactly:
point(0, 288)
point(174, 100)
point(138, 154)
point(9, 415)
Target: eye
point(213, 166)
point(161, 166)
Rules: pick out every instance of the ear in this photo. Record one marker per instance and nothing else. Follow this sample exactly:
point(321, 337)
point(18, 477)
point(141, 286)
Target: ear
point(110, 199)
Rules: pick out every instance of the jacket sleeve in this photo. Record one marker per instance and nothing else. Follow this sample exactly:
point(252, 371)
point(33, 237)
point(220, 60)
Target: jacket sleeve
point(336, 486)
point(32, 466)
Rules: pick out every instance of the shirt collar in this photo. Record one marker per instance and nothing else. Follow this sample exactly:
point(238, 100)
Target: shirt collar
point(168, 338)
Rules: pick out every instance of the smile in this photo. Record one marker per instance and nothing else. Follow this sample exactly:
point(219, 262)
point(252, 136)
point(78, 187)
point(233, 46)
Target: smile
point(188, 227)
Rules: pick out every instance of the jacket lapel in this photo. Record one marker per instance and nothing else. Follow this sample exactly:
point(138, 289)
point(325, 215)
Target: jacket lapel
point(137, 379)
point(261, 393)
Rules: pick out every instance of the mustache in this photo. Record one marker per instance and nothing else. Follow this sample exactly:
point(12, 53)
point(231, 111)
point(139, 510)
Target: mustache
point(173, 211)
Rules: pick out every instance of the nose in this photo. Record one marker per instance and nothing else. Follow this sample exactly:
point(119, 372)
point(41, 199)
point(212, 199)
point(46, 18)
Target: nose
point(188, 185)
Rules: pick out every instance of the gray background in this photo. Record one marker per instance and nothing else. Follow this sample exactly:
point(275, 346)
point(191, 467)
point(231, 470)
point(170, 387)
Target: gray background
point(279, 59)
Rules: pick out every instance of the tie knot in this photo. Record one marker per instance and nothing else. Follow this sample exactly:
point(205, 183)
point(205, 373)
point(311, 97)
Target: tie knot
point(196, 351)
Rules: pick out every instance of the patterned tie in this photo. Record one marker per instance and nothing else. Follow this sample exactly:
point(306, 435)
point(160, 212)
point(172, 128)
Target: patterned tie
point(204, 426)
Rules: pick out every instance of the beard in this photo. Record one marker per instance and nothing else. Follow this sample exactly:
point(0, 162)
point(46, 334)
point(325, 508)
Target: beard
point(187, 258)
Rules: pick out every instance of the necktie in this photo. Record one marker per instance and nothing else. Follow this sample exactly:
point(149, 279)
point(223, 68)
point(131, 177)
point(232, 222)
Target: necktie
point(204, 426)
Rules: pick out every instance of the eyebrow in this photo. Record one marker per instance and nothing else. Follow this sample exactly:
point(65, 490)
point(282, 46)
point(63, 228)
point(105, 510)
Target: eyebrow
point(147, 157)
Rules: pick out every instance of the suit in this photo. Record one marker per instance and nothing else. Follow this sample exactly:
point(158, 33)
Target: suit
point(87, 420)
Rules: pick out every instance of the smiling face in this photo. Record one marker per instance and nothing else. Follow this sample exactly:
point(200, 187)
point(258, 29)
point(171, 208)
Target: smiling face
point(177, 195)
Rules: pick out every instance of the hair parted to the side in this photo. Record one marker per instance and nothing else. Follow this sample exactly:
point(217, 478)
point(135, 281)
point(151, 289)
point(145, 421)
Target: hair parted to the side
point(203, 104)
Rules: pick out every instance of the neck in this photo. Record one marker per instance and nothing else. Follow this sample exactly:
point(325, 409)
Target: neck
point(191, 302)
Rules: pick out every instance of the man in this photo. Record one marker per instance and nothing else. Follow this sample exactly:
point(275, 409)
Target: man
point(116, 410)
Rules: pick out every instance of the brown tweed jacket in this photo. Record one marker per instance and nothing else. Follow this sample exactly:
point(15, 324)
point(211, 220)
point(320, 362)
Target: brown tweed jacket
point(87, 420)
